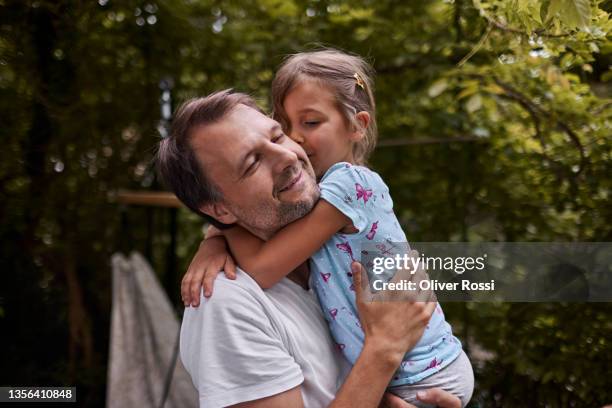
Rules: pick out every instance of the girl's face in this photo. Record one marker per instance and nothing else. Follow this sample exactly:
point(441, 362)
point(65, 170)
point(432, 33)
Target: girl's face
point(318, 126)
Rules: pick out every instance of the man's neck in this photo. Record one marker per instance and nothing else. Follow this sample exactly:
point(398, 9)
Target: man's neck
point(300, 275)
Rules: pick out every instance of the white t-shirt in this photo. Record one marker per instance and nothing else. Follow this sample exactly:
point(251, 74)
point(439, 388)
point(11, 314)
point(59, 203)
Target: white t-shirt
point(244, 344)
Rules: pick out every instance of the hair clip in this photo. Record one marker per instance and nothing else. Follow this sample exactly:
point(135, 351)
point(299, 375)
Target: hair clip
point(360, 82)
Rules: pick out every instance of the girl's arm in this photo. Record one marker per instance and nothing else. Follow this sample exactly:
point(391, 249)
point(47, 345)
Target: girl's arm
point(269, 261)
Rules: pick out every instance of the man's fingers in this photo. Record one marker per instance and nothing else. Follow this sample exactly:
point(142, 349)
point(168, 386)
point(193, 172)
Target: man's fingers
point(430, 307)
point(441, 398)
point(393, 401)
point(410, 272)
point(356, 271)
point(360, 282)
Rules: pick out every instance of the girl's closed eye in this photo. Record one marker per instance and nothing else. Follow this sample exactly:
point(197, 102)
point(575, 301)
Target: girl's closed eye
point(310, 123)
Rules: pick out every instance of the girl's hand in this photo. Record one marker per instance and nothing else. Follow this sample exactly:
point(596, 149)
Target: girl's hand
point(211, 258)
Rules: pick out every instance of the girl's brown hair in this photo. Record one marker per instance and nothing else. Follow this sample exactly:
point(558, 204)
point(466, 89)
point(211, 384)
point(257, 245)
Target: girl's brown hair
point(349, 77)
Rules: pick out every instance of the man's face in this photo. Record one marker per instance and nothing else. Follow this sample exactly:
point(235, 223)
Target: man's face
point(265, 178)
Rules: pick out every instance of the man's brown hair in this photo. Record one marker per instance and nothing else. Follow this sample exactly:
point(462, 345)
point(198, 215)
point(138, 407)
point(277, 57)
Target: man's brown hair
point(176, 161)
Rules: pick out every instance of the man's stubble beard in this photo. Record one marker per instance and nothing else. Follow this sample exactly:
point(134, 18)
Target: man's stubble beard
point(266, 219)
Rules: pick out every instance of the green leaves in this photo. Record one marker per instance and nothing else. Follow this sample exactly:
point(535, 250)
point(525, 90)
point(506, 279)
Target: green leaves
point(573, 13)
point(437, 88)
point(473, 103)
point(551, 17)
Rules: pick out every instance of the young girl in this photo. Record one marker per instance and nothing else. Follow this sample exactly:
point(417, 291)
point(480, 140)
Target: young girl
point(324, 101)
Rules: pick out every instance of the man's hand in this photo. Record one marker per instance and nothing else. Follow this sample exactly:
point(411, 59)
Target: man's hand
point(438, 397)
point(211, 258)
point(389, 321)
point(433, 396)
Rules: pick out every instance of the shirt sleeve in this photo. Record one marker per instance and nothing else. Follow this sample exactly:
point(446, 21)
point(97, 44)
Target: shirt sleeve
point(233, 350)
point(349, 188)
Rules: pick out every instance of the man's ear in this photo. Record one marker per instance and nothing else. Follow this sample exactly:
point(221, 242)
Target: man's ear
point(219, 212)
point(363, 120)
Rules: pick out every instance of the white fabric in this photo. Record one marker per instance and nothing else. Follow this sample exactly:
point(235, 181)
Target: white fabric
point(143, 340)
point(244, 344)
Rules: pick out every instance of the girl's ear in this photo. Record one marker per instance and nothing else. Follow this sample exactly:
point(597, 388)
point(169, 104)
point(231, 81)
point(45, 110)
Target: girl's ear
point(363, 120)
point(219, 212)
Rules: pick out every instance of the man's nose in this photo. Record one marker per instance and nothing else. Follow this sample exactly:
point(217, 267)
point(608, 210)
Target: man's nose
point(282, 158)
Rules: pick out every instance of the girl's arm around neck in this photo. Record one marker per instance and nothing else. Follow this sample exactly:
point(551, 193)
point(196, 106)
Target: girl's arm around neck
point(269, 261)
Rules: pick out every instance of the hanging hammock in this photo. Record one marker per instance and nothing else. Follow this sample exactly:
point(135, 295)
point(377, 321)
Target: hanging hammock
point(144, 369)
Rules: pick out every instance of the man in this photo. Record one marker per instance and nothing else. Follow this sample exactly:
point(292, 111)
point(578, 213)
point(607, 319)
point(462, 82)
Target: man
point(247, 347)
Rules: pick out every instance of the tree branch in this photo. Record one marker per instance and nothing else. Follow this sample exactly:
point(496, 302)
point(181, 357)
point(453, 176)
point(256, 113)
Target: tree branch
point(503, 27)
point(428, 140)
point(536, 110)
point(477, 46)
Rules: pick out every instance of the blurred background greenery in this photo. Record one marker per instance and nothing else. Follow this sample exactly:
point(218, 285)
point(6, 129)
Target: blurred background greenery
point(495, 120)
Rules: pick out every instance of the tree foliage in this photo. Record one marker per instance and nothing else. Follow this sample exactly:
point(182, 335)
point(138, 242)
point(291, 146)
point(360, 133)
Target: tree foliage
point(495, 121)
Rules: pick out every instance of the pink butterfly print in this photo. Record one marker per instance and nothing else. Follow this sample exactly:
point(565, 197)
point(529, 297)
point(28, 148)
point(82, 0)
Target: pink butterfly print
point(340, 346)
point(325, 276)
point(346, 247)
point(333, 313)
point(363, 193)
point(434, 363)
point(383, 249)
point(370, 235)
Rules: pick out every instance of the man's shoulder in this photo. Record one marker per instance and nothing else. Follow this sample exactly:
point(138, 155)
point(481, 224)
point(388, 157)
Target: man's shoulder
point(234, 345)
point(228, 293)
point(234, 303)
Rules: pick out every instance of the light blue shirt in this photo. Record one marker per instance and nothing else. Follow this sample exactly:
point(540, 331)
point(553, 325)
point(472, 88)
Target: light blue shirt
point(362, 196)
